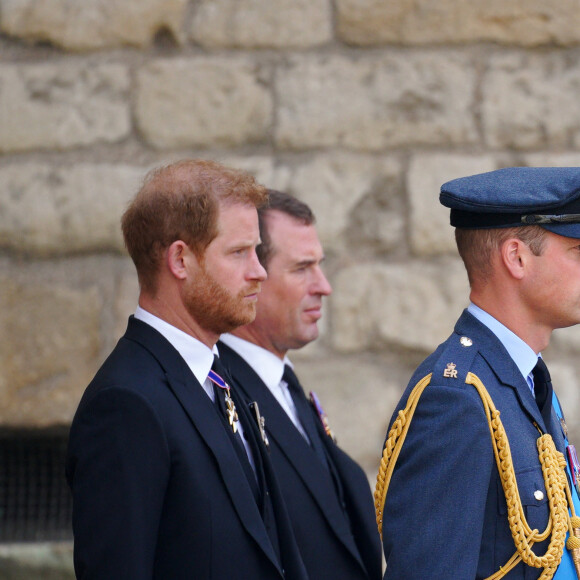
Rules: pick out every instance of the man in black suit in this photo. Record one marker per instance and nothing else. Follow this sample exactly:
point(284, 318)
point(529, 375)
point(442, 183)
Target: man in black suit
point(168, 469)
point(327, 493)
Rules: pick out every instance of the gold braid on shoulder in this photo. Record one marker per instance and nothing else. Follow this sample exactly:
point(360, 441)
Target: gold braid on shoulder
point(553, 466)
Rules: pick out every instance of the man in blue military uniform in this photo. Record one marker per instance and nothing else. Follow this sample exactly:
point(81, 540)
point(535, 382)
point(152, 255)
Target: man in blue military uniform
point(470, 493)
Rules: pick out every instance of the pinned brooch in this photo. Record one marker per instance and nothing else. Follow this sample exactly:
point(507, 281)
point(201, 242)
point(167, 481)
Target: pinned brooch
point(261, 421)
point(321, 415)
point(231, 412)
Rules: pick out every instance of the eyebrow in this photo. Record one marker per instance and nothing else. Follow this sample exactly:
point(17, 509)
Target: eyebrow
point(309, 262)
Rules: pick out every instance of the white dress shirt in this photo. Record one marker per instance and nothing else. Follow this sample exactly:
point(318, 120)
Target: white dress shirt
point(270, 369)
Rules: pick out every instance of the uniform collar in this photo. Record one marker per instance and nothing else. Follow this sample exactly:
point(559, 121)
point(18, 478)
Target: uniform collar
point(521, 353)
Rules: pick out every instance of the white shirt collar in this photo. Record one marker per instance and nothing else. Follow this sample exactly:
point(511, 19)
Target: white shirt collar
point(266, 364)
point(270, 369)
point(197, 355)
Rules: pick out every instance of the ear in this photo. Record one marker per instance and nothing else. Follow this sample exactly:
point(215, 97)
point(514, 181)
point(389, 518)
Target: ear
point(178, 257)
point(514, 256)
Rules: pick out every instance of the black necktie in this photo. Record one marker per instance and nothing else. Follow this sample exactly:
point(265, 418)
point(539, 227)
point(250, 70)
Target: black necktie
point(543, 390)
point(257, 478)
point(304, 410)
point(307, 419)
point(220, 402)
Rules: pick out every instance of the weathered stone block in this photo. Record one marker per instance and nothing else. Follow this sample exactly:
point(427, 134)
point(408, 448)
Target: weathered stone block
point(262, 23)
point(357, 199)
point(359, 399)
point(530, 101)
point(92, 24)
point(547, 159)
point(412, 305)
point(430, 232)
point(354, 197)
point(263, 168)
point(202, 102)
point(566, 339)
point(60, 106)
point(126, 299)
point(50, 210)
point(48, 349)
point(37, 561)
point(530, 23)
point(375, 102)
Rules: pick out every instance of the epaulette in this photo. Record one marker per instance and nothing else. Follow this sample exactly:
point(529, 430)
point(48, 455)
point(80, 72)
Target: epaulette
point(454, 362)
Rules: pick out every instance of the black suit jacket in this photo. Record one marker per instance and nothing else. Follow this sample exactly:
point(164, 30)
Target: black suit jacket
point(159, 492)
point(337, 535)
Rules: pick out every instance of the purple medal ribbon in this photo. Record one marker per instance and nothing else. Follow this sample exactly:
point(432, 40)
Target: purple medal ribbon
point(230, 406)
point(215, 378)
point(321, 415)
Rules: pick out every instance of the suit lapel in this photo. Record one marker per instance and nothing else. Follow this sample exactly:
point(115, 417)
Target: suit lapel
point(199, 408)
point(361, 509)
point(296, 450)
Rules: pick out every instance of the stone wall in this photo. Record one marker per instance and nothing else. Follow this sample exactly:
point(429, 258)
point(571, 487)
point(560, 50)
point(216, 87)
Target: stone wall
point(360, 107)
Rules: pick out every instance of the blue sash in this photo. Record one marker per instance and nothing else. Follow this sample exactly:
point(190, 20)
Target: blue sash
point(566, 570)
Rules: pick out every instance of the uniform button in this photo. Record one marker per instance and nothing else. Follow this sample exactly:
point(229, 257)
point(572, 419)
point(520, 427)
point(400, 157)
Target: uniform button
point(539, 495)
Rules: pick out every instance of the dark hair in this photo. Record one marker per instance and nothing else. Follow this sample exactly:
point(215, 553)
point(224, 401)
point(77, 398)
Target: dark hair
point(284, 203)
point(180, 202)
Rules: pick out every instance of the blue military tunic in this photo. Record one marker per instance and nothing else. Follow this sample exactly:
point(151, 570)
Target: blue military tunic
point(525, 358)
point(445, 513)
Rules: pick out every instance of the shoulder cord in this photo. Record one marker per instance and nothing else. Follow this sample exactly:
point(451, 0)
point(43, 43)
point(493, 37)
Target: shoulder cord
point(553, 466)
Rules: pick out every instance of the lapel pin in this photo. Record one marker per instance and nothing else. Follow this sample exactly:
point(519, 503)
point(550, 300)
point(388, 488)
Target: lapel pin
point(321, 415)
point(261, 421)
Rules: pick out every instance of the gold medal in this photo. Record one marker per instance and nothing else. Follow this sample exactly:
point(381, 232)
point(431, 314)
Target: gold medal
point(231, 410)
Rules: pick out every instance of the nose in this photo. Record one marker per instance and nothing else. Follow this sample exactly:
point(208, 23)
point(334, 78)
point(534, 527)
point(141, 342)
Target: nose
point(321, 285)
point(257, 271)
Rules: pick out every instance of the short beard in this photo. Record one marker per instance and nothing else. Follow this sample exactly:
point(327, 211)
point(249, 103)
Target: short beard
point(214, 308)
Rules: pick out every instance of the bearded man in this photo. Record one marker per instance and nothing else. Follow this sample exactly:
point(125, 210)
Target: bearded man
point(167, 466)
